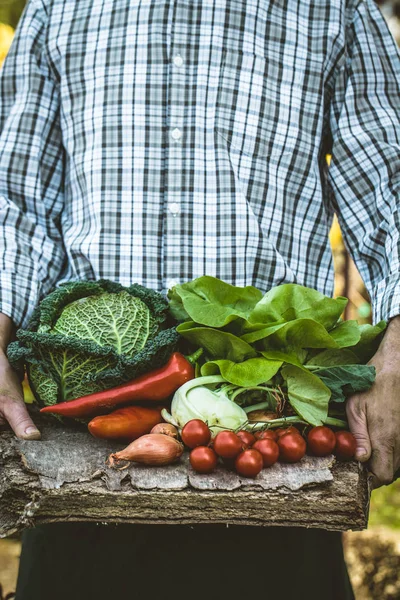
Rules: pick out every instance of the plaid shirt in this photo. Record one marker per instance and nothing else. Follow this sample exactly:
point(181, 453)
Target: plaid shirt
point(156, 141)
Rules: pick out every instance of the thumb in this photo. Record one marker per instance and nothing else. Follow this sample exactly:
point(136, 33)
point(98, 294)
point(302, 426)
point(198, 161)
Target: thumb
point(15, 412)
point(357, 418)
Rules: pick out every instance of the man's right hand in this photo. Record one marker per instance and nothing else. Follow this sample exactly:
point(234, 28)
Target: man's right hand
point(12, 406)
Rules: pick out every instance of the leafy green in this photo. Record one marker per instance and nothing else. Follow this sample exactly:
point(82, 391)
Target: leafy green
point(300, 333)
point(292, 336)
point(308, 395)
point(371, 336)
point(291, 301)
point(346, 380)
point(332, 357)
point(216, 343)
point(250, 372)
point(213, 302)
point(89, 336)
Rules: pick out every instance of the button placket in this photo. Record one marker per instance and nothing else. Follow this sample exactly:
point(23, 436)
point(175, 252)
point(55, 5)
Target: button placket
point(172, 237)
point(178, 60)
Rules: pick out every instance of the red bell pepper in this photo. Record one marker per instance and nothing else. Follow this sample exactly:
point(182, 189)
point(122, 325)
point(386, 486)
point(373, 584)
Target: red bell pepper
point(155, 386)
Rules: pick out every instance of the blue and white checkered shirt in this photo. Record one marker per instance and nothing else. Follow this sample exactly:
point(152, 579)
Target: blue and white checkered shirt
point(156, 141)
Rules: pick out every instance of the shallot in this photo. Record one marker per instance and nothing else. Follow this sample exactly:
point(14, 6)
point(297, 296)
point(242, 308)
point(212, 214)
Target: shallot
point(154, 449)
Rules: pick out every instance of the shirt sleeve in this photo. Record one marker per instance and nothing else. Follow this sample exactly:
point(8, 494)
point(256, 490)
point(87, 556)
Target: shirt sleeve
point(364, 175)
point(31, 170)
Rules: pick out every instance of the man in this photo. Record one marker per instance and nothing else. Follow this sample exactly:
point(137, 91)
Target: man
point(158, 141)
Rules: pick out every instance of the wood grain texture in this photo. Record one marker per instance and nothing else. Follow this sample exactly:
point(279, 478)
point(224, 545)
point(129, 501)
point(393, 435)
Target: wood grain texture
point(63, 477)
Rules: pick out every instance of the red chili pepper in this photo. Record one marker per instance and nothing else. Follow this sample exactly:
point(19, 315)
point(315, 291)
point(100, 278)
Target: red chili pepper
point(125, 424)
point(155, 386)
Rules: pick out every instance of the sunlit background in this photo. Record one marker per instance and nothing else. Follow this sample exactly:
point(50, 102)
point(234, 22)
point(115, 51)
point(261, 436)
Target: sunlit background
point(373, 556)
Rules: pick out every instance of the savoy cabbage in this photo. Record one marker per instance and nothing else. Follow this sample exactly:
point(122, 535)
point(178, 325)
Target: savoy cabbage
point(87, 336)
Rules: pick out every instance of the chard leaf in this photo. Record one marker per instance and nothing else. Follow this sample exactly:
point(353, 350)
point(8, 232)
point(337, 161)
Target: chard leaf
point(346, 334)
point(251, 372)
point(301, 333)
point(291, 301)
point(343, 381)
point(333, 357)
point(217, 344)
point(308, 395)
point(371, 337)
point(212, 302)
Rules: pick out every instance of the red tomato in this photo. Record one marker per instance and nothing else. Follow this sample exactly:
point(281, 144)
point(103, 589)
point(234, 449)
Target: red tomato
point(203, 459)
point(195, 433)
point(292, 447)
point(269, 450)
point(284, 430)
point(321, 441)
point(249, 463)
point(227, 444)
point(247, 438)
point(345, 448)
point(267, 434)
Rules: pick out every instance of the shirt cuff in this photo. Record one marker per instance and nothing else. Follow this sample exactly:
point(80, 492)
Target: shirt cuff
point(386, 299)
point(18, 297)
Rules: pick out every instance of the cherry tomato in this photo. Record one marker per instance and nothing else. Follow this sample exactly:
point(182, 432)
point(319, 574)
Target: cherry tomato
point(203, 459)
point(321, 441)
point(345, 448)
point(195, 433)
point(284, 430)
point(267, 434)
point(227, 444)
point(292, 447)
point(249, 463)
point(247, 438)
point(269, 450)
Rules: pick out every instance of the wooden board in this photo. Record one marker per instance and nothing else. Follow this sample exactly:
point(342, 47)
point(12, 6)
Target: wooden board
point(63, 477)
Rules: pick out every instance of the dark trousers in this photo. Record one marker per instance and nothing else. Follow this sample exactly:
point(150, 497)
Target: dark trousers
point(82, 561)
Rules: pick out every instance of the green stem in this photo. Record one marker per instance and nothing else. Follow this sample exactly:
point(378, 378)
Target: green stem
point(259, 406)
point(275, 423)
point(253, 387)
point(193, 358)
point(336, 423)
point(289, 420)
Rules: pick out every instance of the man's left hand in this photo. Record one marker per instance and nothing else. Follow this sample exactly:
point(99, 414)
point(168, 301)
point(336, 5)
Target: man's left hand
point(374, 416)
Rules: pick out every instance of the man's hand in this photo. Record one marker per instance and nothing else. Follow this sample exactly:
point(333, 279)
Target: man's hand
point(374, 416)
point(12, 406)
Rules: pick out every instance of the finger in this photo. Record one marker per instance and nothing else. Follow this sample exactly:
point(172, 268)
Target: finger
point(16, 414)
point(357, 418)
point(381, 466)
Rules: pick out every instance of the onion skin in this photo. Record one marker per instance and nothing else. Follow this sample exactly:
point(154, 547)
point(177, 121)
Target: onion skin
point(153, 449)
point(165, 429)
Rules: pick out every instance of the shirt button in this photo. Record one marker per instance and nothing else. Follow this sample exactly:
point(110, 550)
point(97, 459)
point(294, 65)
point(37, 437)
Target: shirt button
point(174, 208)
point(176, 134)
point(178, 60)
point(171, 283)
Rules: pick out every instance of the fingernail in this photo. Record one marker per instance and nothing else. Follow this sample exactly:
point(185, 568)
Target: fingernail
point(360, 452)
point(32, 433)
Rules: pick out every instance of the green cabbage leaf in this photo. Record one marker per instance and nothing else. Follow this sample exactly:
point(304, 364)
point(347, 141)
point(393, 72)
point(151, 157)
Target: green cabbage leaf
point(87, 336)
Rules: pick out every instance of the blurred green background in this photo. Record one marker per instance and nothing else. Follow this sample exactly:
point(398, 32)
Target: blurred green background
point(10, 11)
